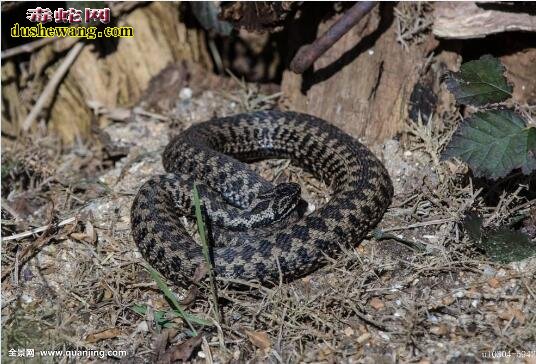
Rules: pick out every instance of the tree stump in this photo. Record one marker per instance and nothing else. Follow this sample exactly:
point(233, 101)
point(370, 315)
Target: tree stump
point(111, 71)
point(364, 82)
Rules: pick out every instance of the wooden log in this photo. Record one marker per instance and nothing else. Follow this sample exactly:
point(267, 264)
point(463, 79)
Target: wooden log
point(114, 71)
point(463, 20)
point(364, 82)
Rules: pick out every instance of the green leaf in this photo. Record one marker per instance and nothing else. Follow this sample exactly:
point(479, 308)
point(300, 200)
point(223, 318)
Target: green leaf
point(139, 309)
point(201, 225)
point(505, 246)
point(494, 143)
point(175, 302)
point(479, 82)
point(501, 245)
point(160, 317)
point(473, 225)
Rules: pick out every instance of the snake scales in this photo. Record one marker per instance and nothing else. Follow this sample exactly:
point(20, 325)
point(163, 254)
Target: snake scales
point(258, 231)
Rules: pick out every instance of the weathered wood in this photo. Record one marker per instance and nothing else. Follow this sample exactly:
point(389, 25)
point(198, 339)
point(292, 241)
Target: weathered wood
point(364, 82)
point(114, 71)
point(463, 20)
point(521, 71)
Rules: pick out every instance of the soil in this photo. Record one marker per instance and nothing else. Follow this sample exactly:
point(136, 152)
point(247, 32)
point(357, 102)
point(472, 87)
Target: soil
point(416, 290)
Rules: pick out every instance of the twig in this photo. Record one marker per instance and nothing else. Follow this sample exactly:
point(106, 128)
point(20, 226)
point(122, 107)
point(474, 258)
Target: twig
point(308, 54)
point(38, 230)
point(27, 48)
point(379, 235)
point(41, 241)
point(52, 85)
point(421, 224)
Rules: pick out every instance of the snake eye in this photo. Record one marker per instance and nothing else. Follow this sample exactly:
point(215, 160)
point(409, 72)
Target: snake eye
point(287, 196)
point(288, 190)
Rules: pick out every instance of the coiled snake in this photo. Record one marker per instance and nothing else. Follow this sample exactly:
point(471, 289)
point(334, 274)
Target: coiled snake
point(258, 230)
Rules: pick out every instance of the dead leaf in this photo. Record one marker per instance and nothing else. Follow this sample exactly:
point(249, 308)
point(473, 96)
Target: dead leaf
point(182, 351)
point(200, 272)
point(78, 236)
point(160, 343)
point(363, 338)
point(505, 314)
point(191, 295)
point(91, 234)
point(448, 300)
point(376, 303)
point(103, 335)
point(439, 330)
point(494, 282)
point(259, 338)
point(519, 315)
point(348, 331)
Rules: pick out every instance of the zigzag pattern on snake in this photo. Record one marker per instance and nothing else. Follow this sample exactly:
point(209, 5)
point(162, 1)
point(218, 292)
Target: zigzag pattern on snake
point(259, 232)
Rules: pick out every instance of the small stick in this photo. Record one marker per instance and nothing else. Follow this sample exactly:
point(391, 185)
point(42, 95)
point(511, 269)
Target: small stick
point(40, 242)
point(37, 230)
point(52, 85)
point(27, 48)
point(309, 53)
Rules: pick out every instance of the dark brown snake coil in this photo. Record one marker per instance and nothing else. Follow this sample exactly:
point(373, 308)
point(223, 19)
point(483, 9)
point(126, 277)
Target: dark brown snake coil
point(257, 230)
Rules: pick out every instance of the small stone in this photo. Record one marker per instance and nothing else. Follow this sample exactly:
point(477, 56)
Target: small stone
point(142, 327)
point(185, 93)
point(26, 298)
point(489, 271)
point(376, 303)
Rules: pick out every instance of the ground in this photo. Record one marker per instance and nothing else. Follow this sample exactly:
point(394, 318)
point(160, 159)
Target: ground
point(416, 290)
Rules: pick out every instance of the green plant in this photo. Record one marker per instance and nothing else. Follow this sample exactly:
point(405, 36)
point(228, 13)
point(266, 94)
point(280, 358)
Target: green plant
point(492, 141)
point(162, 318)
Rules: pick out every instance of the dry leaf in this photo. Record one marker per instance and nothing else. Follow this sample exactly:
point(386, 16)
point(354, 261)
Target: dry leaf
point(439, 330)
point(519, 315)
point(200, 272)
point(494, 282)
point(505, 314)
point(376, 303)
point(448, 300)
point(259, 338)
point(103, 335)
point(78, 236)
point(181, 352)
point(363, 338)
point(91, 234)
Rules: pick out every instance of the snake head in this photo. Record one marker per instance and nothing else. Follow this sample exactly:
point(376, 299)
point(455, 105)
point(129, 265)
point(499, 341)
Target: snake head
point(281, 200)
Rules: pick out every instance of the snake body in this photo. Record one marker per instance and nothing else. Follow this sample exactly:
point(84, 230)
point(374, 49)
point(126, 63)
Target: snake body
point(258, 234)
